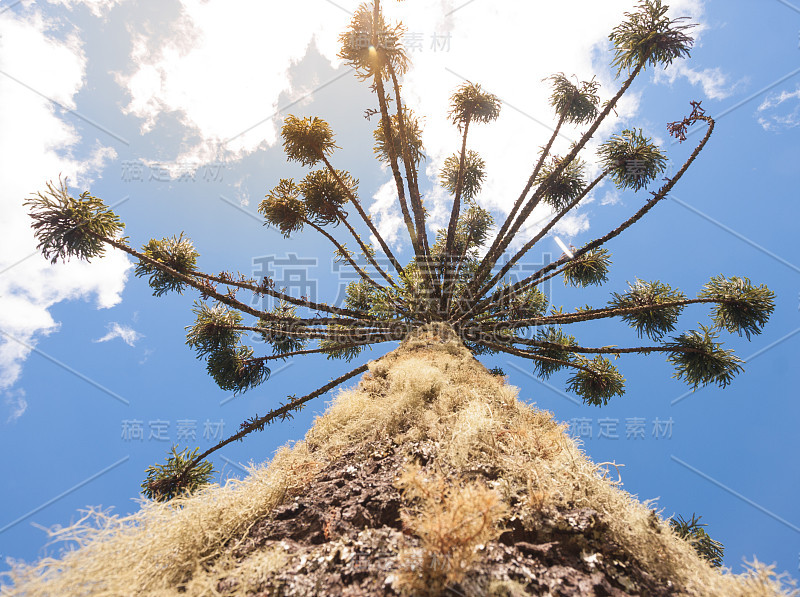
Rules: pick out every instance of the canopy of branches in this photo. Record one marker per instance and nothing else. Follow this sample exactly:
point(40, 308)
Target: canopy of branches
point(457, 275)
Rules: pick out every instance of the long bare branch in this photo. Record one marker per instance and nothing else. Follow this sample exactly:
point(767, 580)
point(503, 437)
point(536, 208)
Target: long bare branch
point(262, 289)
point(387, 131)
point(411, 171)
point(534, 278)
point(591, 314)
point(367, 220)
point(603, 349)
point(325, 334)
point(205, 288)
point(313, 351)
point(346, 255)
point(518, 203)
point(528, 355)
point(539, 236)
point(258, 423)
point(489, 261)
point(365, 250)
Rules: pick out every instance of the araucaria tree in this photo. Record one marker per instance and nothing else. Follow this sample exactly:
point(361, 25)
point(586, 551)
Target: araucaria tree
point(459, 274)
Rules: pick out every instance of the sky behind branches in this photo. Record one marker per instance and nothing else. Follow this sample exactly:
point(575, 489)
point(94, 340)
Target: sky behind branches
point(170, 112)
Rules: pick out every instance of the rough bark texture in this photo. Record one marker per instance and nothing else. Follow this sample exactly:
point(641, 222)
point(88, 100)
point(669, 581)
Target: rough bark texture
point(343, 536)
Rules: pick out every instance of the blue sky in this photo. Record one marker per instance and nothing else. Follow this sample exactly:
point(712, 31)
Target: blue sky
point(169, 110)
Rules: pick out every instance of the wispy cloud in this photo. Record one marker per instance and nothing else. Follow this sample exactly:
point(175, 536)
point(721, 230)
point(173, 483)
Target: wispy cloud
point(789, 118)
point(127, 334)
point(148, 352)
point(611, 198)
point(15, 400)
point(713, 81)
point(99, 8)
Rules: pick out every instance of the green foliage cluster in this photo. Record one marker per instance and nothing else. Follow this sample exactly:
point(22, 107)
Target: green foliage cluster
point(283, 207)
point(575, 104)
point(561, 184)
point(371, 46)
point(555, 347)
point(307, 140)
point(174, 478)
point(692, 531)
point(281, 335)
point(597, 379)
point(649, 36)
point(470, 103)
point(738, 306)
point(413, 133)
point(324, 195)
point(472, 176)
point(66, 226)
point(633, 159)
point(214, 337)
point(651, 308)
point(177, 253)
point(700, 361)
point(589, 269)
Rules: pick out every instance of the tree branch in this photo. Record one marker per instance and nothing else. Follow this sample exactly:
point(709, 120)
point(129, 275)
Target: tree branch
point(488, 262)
point(657, 196)
point(258, 423)
point(507, 267)
point(364, 216)
point(261, 289)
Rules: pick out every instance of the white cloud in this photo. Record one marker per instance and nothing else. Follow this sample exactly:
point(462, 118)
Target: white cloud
point(37, 145)
point(224, 67)
point(16, 403)
point(148, 352)
point(128, 335)
point(788, 119)
point(772, 101)
point(389, 221)
point(713, 81)
point(572, 224)
point(611, 198)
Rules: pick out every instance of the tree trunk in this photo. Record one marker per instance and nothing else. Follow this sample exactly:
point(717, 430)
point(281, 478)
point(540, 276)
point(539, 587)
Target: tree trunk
point(429, 478)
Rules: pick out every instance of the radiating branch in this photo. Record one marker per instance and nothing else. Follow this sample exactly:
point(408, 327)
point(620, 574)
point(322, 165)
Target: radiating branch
point(367, 220)
point(489, 261)
point(257, 423)
point(490, 255)
point(263, 289)
point(657, 196)
point(539, 236)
